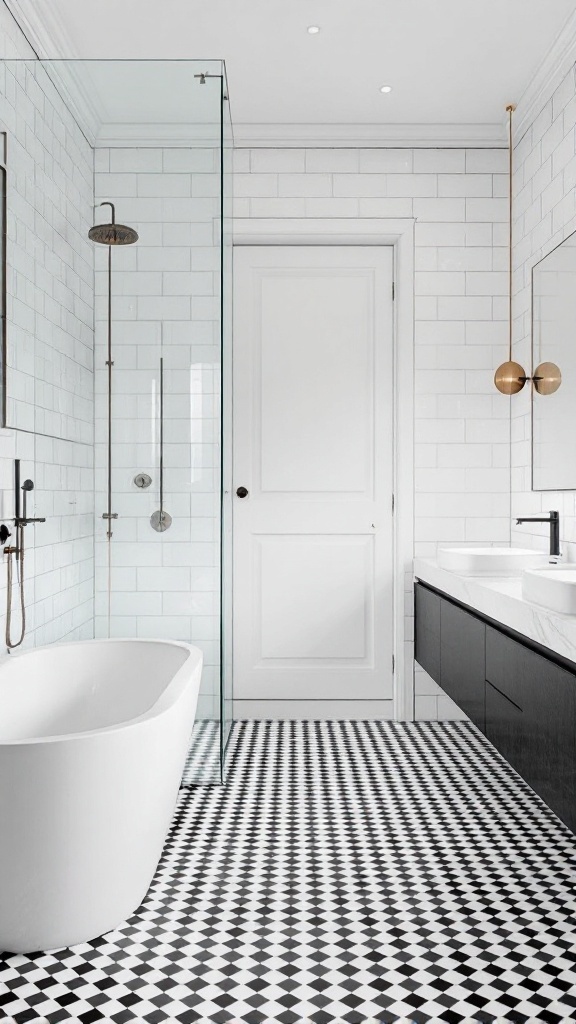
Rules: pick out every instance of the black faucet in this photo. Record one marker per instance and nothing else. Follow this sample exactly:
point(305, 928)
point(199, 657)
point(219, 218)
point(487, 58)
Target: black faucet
point(554, 520)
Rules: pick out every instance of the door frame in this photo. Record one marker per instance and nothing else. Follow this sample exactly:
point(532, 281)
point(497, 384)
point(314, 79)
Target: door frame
point(400, 235)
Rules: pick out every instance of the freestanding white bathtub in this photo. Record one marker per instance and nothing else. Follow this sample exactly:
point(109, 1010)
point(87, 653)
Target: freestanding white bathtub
point(93, 740)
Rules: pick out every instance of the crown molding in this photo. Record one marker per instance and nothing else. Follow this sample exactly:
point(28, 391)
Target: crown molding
point(556, 64)
point(77, 97)
point(47, 35)
point(44, 29)
point(172, 136)
point(342, 136)
point(46, 32)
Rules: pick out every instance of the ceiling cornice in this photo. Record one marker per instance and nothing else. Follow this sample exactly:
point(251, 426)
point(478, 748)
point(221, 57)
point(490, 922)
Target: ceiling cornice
point(172, 136)
point(47, 33)
point(342, 136)
point(74, 92)
point(556, 64)
point(43, 28)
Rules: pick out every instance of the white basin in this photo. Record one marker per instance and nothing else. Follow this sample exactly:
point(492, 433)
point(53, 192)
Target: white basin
point(553, 586)
point(490, 561)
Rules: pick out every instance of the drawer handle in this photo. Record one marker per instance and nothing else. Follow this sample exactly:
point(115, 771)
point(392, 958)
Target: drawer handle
point(505, 695)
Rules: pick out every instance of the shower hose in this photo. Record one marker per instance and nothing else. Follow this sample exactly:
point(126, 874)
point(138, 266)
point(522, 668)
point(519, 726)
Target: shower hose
point(10, 552)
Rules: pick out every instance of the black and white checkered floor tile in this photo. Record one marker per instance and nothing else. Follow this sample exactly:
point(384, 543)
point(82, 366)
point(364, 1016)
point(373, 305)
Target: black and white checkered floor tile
point(350, 872)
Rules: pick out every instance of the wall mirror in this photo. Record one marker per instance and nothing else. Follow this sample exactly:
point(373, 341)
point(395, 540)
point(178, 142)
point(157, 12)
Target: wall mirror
point(554, 340)
point(2, 277)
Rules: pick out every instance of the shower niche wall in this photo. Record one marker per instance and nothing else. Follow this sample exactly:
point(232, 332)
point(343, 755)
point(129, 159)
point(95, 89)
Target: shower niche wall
point(160, 139)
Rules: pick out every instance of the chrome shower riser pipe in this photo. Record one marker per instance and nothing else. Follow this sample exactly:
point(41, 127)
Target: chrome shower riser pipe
point(109, 515)
point(111, 234)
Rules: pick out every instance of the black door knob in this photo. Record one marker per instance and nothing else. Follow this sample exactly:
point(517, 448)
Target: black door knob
point(242, 492)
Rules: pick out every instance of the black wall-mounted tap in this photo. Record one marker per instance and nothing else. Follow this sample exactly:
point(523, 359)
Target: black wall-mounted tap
point(554, 520)
point(16, 551)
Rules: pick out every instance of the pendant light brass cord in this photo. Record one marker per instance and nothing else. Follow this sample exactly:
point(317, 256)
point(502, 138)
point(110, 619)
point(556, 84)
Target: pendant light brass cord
point(510, 108)
point(510, 377)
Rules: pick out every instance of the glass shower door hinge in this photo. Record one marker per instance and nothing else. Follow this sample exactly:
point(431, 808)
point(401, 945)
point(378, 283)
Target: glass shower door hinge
point(109, 515)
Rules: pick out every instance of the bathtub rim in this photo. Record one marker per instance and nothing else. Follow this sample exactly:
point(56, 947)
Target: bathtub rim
point(173, 691)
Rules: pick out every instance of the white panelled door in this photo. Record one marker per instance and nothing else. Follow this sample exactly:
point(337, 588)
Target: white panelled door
point(313, 446)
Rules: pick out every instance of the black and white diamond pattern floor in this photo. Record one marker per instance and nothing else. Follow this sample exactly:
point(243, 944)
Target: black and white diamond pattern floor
point(350, 872)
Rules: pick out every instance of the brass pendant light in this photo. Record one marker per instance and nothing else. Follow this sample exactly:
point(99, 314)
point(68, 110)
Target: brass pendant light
point(510, 377)
point(547, 378)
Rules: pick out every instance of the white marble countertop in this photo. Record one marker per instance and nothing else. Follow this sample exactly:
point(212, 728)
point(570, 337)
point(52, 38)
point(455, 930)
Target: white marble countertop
point(501, 599)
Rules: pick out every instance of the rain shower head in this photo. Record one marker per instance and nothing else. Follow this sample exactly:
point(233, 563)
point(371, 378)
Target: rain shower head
point(113, 233)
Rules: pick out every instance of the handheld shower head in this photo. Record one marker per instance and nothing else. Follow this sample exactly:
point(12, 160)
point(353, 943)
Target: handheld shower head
point(113, 233)
point(27, 486)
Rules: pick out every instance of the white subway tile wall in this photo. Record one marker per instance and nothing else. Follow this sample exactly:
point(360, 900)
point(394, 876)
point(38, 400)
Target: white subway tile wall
point(545, 213)
point(166, 303)
point(49, 345)
point(462, 485)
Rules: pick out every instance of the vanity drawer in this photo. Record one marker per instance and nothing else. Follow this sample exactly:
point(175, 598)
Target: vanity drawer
point(462, 660)
point(539, 696)
point(505, 667)
point(504, 727)
point(427, 639)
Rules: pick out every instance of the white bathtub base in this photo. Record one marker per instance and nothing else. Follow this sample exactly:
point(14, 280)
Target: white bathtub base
point(84, 817)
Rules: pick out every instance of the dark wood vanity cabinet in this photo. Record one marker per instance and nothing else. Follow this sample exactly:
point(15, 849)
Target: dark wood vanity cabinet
point(523, 700)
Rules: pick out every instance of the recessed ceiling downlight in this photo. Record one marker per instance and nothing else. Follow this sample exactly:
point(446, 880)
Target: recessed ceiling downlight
point(385, 88)
point(313, 30)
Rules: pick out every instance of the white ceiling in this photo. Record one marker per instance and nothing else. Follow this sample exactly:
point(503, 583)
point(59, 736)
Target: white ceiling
point(449, 61)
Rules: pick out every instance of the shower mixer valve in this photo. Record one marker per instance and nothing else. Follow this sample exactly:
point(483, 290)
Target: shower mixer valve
point(20, 521)
point(17, 551)
point(23, 520)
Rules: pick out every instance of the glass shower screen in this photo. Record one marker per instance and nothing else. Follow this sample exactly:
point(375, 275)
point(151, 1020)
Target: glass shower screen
point(162, 143)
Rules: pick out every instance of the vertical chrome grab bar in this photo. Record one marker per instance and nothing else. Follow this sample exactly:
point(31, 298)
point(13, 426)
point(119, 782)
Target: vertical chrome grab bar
point(161, 437)
point(161, 520)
